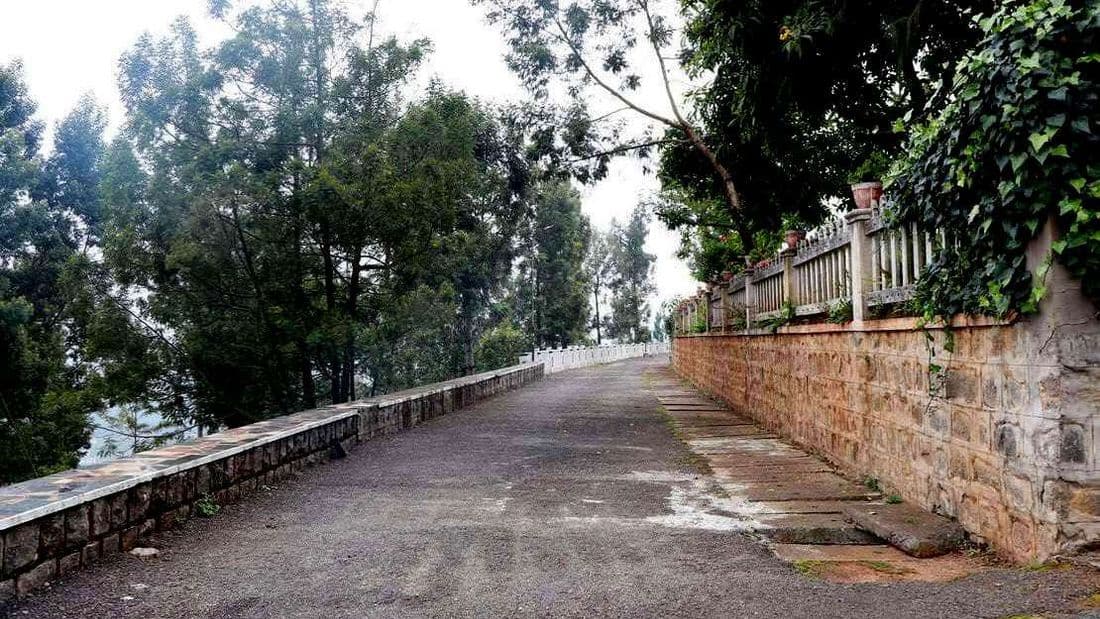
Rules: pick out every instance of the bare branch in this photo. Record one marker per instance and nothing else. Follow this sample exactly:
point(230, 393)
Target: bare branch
point(564, 37)
point(661, 61)
point(625, 148)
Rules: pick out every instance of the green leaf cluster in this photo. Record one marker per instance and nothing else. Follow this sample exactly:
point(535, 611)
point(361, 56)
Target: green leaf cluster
point(1015, 147)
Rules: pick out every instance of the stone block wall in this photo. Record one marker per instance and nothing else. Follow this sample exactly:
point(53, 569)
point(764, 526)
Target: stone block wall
point(1005, 439)
point(53, 525)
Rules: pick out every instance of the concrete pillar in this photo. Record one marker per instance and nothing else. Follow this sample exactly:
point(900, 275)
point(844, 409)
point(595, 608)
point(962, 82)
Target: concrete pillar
point(789, 288)
point(862, 262)
point(750, 298)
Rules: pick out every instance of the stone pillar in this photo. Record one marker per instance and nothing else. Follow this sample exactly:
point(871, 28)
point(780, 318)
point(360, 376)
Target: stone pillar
point(862, 262)
point(790, 294)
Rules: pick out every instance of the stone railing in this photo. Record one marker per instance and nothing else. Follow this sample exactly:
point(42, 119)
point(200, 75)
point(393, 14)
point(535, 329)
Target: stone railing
point(53, 525)
point(560, 359)
point(854, 259)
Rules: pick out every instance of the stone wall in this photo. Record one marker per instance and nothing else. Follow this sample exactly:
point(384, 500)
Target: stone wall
point(53, 525)
point(1005, 440)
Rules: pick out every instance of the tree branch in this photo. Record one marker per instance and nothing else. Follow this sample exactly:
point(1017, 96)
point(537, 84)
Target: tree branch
point(564, 36)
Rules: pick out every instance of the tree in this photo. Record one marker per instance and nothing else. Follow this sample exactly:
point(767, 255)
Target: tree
point(45, 211)
point(801, 93)
point(597, 271)
point(593, 43)
point(555, 295)
point(631, 283)
point(293, 224)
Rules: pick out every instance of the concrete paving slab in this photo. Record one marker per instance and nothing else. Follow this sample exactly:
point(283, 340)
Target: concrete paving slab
point(912, 530)
point(725, 432)
point(739, 460)
point(812, 528)
point(800, 507)
point(772, 475)
point(833, 488)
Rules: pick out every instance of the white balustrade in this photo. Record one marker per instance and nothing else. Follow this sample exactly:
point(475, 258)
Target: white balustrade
point(560, 359)
point(857, 258)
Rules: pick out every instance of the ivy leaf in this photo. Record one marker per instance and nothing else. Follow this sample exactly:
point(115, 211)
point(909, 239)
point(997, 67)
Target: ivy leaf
point(1018, 161)
point(1039, 139)
point(974, 212)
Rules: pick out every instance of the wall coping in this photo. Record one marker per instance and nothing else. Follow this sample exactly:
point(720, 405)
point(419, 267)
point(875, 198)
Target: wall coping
point(35, 498)
point(869, 326)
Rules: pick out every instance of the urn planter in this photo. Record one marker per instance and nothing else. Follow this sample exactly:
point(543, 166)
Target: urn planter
point(867, 195)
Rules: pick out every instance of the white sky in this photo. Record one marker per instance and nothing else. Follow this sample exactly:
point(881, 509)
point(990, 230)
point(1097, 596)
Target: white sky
point(70, 47)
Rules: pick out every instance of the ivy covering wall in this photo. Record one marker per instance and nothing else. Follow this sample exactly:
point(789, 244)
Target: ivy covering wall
point(1017, 144)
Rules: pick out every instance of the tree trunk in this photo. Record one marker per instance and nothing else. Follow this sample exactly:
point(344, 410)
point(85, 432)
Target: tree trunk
point(596, 296)
point(733, 199)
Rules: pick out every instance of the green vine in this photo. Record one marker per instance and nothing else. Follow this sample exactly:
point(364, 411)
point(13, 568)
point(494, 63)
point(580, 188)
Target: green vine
point(1016, 146)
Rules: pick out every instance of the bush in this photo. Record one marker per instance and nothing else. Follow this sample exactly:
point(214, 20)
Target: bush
point(499, 347)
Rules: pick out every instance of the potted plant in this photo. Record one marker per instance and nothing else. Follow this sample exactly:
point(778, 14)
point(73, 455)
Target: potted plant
point(794, 237)
point(866, 180)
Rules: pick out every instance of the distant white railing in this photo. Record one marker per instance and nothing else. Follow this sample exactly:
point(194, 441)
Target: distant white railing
point(560, 359)
point(857, 258)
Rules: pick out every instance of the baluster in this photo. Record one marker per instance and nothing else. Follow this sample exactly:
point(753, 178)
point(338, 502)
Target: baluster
point(819, 280)
point(918, 260)
point(903, 262)
point(881, 277)
point(838, 274)
point(893, 260)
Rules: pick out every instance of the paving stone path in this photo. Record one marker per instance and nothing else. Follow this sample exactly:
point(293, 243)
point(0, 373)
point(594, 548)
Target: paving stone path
point(572, 497)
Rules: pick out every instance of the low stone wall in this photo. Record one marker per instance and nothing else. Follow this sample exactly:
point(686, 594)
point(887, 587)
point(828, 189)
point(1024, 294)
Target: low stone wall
point(53, 525)
point(1007, 443)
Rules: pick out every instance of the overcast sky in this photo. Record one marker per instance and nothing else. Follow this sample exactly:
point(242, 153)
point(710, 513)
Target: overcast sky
point(70, 47)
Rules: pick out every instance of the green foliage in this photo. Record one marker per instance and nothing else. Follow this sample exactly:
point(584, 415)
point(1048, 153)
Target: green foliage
point(873, 168)
point(632, 282)
point(738, 317)
point(783, 318)
point(840, 312)
point(1015, 146)
point(47, 213)
point(280, 217)
point(552, 296)
point(699, 325)
point(206, 507)
point(798, 95)
point(500, 347)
